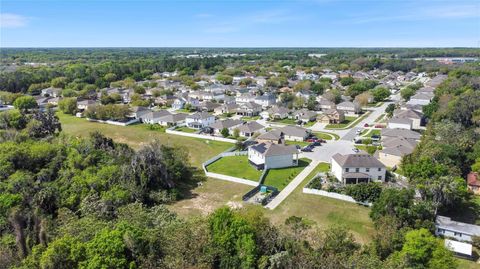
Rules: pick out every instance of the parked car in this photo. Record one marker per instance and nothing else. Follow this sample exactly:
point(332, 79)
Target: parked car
point(358, 132)
point(322, 141)
point(379, 126)
point(307, 149)
point(375, 137)
point(355, 150)
point(316, 143)
point(311, 140)
point(366, 125)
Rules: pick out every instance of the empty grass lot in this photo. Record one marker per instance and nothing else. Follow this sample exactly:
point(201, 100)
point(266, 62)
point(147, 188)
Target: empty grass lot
point(186, 129)
point(324, 211)
point(138, 135)
point(235, 166)
point(280, 177)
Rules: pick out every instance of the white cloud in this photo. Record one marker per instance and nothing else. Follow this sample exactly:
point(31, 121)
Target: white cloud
point(10, 20)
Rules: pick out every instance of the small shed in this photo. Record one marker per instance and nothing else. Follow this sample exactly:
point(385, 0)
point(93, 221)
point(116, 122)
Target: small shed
point(459, 248)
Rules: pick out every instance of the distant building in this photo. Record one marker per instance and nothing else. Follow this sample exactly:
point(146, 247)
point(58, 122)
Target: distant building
point(473, 184)
point(199, 120)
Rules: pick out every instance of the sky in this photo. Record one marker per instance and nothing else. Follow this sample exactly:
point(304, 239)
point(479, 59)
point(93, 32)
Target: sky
point(247, 23)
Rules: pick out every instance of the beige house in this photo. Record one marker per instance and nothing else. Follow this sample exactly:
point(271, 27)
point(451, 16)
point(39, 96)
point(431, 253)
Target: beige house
point(332, 116)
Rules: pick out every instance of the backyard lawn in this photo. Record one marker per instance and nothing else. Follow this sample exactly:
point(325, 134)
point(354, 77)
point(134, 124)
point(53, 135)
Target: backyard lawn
point(324, 211)
point(285, 121)
point(137, 135)
point(186, 129)
point(235, 166)
point(280, 177)
point(370, 149)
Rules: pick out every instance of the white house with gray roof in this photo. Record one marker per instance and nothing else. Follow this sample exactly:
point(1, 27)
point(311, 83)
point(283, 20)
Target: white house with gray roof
point(229, 124)
point(199, 120)
point(270, 155)
point(250, 128)
point(445, 226)
point(357, 168)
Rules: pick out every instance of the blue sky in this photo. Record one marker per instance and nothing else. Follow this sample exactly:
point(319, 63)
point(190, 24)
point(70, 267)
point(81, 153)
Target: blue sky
point(248, 23)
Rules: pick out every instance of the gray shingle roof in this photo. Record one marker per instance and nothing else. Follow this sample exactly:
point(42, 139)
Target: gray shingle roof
point(250, 127)
point(270, 149)
point(449, 224)
point(357, 160)
point(226, 123)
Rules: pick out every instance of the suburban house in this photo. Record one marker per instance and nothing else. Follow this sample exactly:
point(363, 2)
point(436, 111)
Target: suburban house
point(180, 102)
point(325, 104)
point(250, 128)
point(393, 150)
point(275, 113)
point(400, 133)
point(249, 109)
point(413, 115)
point(172, 119)
point(305, 115)
point(349, 108)
point(446, 227)
point(294, 133)
point(229, 124)
point(332, 116)
point(357, 168)
point(400, 123)
point(305, 94)
point(208, 106)
point(289, 133)
point(421, 98)
point(199, 120)
point(269, 155)
point(153, 117)
point(266, 100)
point(245, 98)
point(164, 100)
point(226, 108)
point(473, 184)
point(51, 92)
point(85, 104)
point(137, 111)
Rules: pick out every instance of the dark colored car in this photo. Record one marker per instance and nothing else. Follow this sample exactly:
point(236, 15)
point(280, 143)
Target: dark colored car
point(316, 143)
point(307, 149)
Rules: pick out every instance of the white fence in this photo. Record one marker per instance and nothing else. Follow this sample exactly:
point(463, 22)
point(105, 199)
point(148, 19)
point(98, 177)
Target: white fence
point(115, 122)
point(232, 179)
point(334, 195)
point(234, 153)
point(209, 137)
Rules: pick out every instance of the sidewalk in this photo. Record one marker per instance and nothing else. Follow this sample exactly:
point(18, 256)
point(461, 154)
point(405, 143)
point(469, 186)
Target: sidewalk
point(292, 186)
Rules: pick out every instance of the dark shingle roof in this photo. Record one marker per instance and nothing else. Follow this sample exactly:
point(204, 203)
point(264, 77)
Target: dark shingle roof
point(357, 160)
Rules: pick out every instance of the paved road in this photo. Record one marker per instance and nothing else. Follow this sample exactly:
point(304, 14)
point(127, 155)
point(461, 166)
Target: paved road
point(292, 185)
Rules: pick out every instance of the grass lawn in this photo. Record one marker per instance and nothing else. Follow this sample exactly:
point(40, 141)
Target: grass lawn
point(250, 118)
point(137, 135)
point(380, 118)
point(466, 264)
point(348, 123)
point(324, 211)
point(367, 148)
point(235, 166)
point(285, 121)
point(280, 177)
point(372, 132)
point(309, 124)
point(326, 136)
point(183, 110)
point(300, 143)
point(186, 129)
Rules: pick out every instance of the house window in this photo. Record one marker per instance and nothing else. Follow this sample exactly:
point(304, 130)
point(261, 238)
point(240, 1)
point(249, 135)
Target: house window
point(458, 234)
point(367, 169)
point(357, 170)
point(347, 169)
point(379, 169)
point(379, 177)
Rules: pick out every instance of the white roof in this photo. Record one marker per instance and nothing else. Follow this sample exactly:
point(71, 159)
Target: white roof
point(458, 247)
